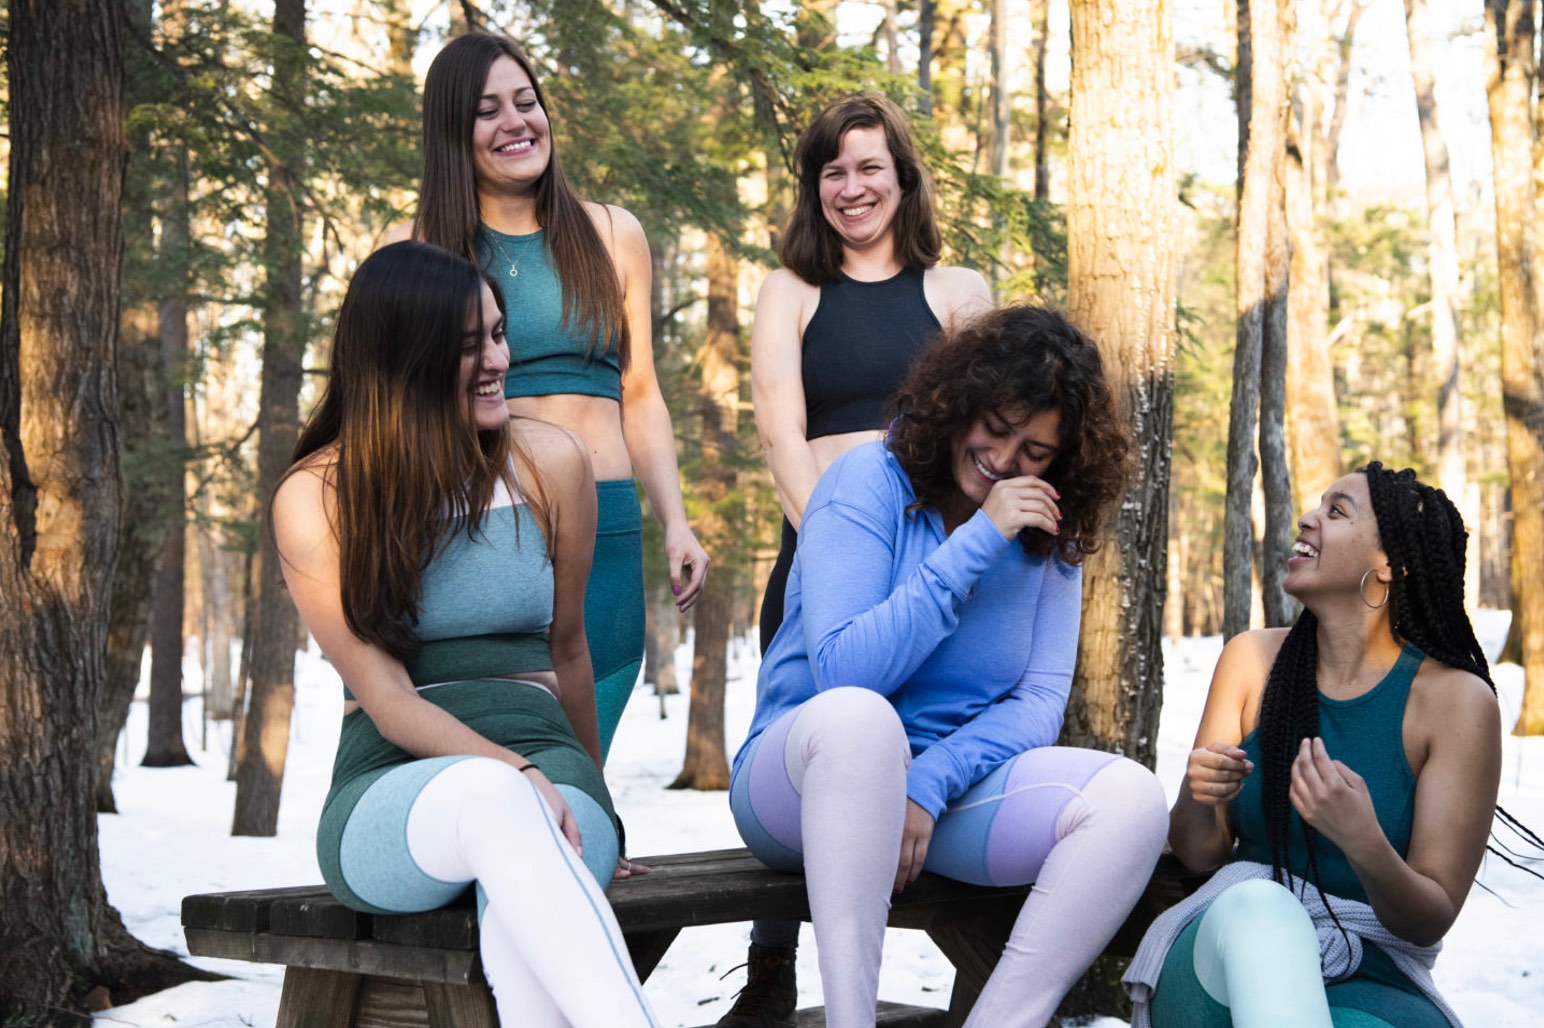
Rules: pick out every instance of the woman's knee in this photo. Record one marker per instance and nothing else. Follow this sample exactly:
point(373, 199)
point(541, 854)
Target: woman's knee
point(1257, 903)
point(850, 716)
point(1131, 797)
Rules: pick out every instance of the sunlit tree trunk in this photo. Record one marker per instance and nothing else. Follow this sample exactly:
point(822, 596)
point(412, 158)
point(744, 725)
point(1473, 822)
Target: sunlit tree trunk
point(1121, 248)
point(1264, 40)
point(706, 765)
point(1512, 78)
point(60, 490)
point(273, 625)
point(1442, 261)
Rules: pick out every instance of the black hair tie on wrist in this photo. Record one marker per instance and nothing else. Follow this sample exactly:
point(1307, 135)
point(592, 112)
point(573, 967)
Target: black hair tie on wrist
point(527, 767)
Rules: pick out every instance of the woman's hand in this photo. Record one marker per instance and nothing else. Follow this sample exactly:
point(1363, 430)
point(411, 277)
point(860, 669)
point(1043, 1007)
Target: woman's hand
point(565, 817)
point(915, 836)
point(1330, 796)
point(629, 869)
point(1015, 504)
point(1215, 773)
point(688, 563)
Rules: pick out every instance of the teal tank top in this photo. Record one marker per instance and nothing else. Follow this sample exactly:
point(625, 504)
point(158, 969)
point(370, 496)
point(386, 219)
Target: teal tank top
point(485, 601)
point(547, 356)
point(1367, 735)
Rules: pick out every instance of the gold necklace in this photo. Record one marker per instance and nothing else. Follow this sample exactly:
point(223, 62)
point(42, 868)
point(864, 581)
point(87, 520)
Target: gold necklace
point(514, 262)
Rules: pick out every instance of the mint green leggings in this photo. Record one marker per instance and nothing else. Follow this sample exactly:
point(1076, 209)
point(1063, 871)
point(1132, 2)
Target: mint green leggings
point(1252, 961)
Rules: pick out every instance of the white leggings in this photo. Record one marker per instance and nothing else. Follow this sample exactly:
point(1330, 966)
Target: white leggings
point(825, 789)
point(551, 947)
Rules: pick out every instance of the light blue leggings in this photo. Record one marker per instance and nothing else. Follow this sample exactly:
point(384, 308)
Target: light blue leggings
point(823, 790)
point(550, 946)
point(1252, 961)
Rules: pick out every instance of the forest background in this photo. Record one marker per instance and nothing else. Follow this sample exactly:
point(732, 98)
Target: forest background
point(1292, 263)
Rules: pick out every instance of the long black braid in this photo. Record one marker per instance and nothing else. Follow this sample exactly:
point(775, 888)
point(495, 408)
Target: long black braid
point(1423, 535)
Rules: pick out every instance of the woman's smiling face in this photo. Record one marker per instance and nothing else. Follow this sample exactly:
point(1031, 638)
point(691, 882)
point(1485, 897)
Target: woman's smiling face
point(998, 446)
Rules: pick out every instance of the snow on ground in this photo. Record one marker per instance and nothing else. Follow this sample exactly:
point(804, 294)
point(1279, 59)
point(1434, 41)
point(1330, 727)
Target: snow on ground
point(172, 838)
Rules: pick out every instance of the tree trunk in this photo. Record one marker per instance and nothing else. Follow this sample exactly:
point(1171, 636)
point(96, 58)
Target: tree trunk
point(1515, 148)
point(165, 745)
point(1442, 259)
point(927, 14)
point(1040, 16)
point(997, 141)
point(60, 490)
point(706, 766)
point(1263, 47)
point(141, 399)
point(274, 625)
point(1121, 250)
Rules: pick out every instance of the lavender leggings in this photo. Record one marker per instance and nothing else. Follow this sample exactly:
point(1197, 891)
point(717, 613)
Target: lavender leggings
point(823, 791)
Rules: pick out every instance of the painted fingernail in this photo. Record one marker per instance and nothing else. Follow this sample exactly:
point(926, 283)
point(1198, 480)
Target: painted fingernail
point(676, 590)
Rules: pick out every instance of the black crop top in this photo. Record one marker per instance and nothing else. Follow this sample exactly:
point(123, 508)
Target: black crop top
point(858, 347)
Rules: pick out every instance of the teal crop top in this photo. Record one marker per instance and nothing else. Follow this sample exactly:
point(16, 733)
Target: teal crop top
point(547, 357)
point(494, 589)
point(1367, 735)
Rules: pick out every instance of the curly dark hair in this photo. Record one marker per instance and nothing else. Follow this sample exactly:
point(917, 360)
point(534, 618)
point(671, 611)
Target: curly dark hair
point(1423, 536)
point(1018, 361)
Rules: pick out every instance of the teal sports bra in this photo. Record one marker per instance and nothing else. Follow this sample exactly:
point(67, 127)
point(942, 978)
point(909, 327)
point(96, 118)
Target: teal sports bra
point(547, 356)
point(496, 589)
point(1367, 735)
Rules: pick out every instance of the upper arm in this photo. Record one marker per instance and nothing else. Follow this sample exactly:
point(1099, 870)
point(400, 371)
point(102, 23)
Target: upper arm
point(777, 383)
point(629, 247)
point(1455, 791)
point(956, 294)
point(1237, 683)
point(401, 232)
point(308, 557)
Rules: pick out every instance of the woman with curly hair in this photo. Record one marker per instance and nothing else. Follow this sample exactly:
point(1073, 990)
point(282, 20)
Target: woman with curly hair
point(907, 711)
point(859, 295)
point(1374, 727)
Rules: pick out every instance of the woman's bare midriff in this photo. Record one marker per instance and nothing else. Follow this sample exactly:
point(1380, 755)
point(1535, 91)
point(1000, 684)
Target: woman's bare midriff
point(595, 419)
point(829, 447)
point(545, 679)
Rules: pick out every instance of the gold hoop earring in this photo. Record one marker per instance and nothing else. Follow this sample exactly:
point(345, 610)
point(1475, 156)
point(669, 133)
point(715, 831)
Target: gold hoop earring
point(1361, 591)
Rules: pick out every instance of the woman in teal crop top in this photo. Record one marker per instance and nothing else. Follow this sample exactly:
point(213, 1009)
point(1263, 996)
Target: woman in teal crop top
point(1354, 759)
point(576, 278)
point(437, 551)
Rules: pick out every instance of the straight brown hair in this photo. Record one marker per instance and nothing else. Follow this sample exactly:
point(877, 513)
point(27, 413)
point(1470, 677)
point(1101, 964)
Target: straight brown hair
point(410, 464)
point(449, 214)
point(810, 247)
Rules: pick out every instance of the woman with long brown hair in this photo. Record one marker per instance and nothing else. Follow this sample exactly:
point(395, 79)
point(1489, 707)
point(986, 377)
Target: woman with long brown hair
point(437, 551)
point(575, 275)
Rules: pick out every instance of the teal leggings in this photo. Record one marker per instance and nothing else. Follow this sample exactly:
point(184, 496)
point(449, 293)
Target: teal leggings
point(613, 603)
point(1252, 961)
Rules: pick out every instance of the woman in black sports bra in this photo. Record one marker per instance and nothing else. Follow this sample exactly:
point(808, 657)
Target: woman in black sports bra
point(859, 296)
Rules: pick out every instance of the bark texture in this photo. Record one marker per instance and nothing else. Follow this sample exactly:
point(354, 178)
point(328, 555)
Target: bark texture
point(273, 626)
point(1121, 249)
point(60, 489)
point(1517, 156)
point(1264, 45)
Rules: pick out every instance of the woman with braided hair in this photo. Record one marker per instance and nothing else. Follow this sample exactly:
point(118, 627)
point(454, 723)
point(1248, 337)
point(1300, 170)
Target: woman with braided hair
point(1343, 779)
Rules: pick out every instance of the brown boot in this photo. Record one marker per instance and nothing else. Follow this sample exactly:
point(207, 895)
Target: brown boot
point(770, 993)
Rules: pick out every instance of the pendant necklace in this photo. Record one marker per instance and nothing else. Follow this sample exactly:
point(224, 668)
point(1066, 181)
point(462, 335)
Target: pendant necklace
point(514, 262)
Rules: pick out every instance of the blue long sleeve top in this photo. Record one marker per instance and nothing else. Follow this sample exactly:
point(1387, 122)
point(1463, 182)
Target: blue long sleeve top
point(972, 639)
